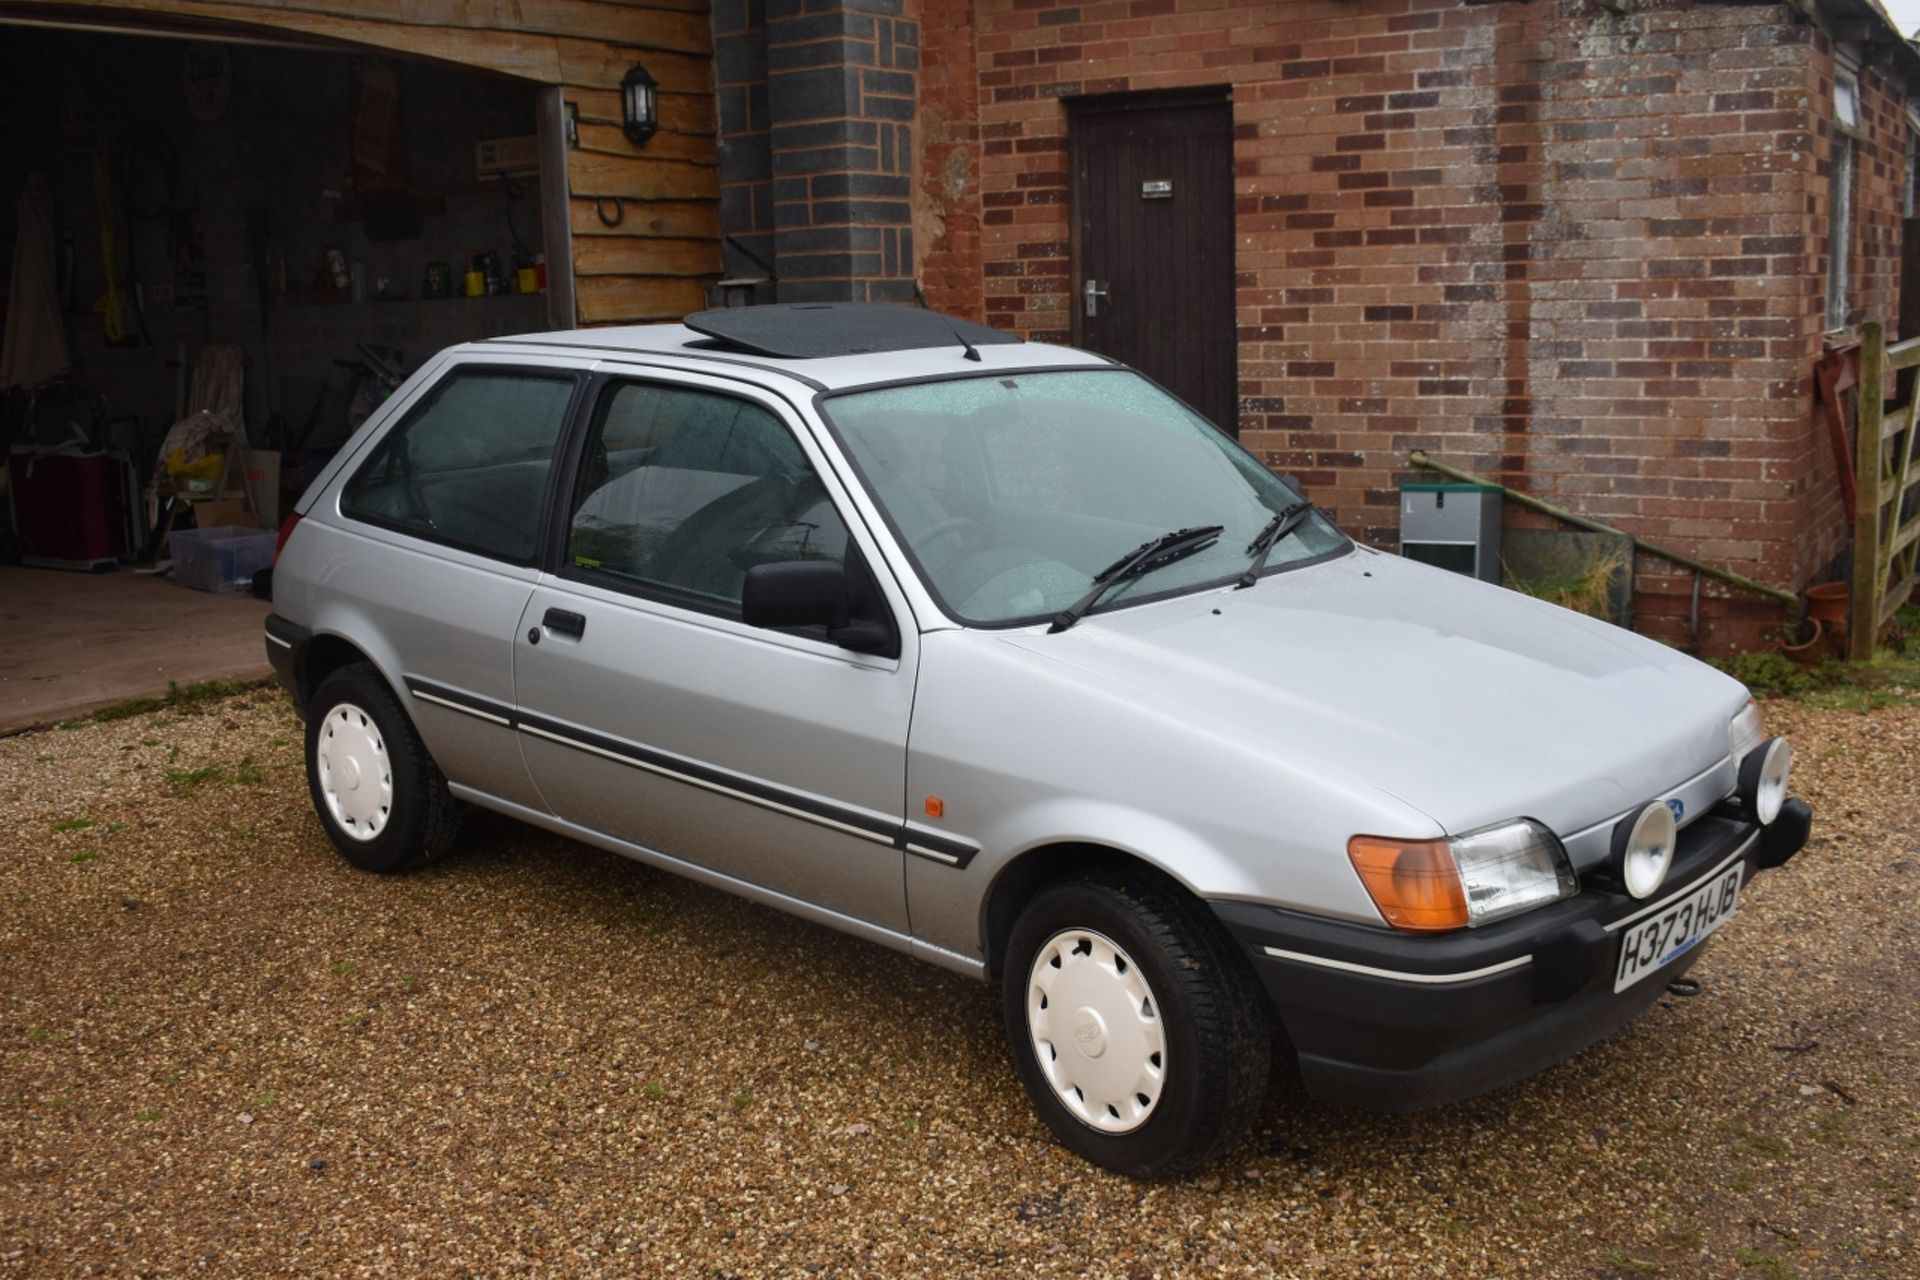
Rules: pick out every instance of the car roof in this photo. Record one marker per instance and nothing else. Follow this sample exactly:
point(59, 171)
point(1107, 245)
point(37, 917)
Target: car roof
point(690, 349)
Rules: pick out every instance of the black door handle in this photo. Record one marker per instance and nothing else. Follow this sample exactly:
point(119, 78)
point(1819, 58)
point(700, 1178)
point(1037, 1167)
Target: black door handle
point(563, 622)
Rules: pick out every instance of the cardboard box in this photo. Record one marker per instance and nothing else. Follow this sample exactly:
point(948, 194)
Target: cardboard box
point(227, 510)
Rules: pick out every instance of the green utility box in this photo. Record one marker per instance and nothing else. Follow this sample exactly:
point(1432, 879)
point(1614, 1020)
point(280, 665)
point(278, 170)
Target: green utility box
point(1452, 526)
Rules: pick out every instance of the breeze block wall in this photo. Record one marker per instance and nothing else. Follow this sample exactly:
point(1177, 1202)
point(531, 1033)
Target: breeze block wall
point(1575, 249)
point(817, 106)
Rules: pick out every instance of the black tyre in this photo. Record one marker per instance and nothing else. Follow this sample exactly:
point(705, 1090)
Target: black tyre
point(382, 800)
point(1136, 1025)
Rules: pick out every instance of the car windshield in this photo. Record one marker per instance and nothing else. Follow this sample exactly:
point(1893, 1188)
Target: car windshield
point(1011, 492)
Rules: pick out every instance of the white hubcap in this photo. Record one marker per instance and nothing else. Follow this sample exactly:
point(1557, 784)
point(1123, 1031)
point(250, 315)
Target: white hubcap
point(356, 777)
point(1096, 1030)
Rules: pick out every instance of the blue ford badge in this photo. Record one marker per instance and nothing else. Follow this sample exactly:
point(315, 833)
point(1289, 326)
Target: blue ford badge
point(1679, 808)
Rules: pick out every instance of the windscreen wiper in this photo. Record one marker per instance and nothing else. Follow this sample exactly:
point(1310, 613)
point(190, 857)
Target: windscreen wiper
point(1264, 542)
point(1149, 555)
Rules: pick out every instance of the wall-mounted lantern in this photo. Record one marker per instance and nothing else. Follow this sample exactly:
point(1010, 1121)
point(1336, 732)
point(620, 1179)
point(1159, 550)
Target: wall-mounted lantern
point(639, 105)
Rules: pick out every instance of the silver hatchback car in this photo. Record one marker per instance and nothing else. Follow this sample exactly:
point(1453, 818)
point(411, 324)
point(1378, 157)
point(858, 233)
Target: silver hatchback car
point(995, 653)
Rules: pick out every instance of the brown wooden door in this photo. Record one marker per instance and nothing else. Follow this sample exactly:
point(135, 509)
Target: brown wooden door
point(1153, 228)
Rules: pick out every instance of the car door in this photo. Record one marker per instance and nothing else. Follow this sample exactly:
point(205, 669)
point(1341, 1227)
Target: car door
point(650, 712)
point(443, 526)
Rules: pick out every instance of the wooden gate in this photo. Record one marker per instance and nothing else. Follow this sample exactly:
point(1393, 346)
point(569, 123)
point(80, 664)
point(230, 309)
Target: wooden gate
point(1886, 528)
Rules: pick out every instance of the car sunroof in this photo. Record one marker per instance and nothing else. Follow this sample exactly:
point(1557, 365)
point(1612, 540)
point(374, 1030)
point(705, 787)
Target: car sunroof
point(808, 330)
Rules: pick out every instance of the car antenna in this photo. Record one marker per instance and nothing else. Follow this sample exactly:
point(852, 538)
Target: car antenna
point(921, 298)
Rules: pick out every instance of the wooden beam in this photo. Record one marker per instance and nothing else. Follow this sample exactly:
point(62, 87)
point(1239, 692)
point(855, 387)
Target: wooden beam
point(683, 112)
point(642, 256)
point(668, 144)
point(688, 219)
point(593, 65)
point(527, 56)
point(633, 300)
point(592, 175)
point(556, 223)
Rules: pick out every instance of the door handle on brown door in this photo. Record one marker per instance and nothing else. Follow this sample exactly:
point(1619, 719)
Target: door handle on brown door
point(562, 622)
point(1093, 293)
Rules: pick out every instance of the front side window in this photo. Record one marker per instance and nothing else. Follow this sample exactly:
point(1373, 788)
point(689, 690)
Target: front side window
point(683, 491)
point(469, 466)
point(1012, 492)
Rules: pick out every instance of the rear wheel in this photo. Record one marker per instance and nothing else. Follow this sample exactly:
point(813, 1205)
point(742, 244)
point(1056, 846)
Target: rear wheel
point(383, 802)
point(1135, 1024)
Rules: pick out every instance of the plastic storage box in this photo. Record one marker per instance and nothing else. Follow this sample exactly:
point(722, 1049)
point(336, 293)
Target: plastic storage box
point(223, 558)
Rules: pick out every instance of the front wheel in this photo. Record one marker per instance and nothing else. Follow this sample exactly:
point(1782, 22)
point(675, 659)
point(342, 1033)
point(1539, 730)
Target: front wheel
point(1135, 1024)
point(383, 802)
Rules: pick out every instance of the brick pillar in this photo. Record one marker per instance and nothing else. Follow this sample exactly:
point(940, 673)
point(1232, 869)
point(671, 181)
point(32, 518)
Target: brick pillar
point(746, 163)
point(841, 98)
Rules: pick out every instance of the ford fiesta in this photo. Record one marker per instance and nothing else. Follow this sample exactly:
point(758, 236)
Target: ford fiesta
point(995, 653)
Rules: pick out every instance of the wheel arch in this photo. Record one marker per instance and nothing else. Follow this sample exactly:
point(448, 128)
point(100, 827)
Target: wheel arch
point(323, 655)
point(1027, 873)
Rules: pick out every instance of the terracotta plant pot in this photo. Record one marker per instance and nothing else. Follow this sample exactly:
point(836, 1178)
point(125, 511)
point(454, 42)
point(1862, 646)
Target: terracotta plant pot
point(1827, 601)
point(1811, 649)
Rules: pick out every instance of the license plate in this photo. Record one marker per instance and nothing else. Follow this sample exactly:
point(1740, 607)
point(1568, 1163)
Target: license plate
point(1654, 941)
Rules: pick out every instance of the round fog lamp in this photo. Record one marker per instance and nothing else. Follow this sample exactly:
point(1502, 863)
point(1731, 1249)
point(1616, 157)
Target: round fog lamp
point(1763, 778)
point(1647, 849)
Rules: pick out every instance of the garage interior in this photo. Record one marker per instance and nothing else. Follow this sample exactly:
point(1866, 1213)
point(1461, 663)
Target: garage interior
point(221, 248)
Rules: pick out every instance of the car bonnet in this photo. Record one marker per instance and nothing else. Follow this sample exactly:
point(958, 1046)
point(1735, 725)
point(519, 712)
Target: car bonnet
point(1471, 703)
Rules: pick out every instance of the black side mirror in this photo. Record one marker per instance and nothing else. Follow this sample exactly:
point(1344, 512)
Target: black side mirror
point(809, 593)
point(795, 593)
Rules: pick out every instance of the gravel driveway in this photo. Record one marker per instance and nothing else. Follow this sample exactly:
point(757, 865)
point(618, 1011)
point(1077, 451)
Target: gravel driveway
point(223, 1052)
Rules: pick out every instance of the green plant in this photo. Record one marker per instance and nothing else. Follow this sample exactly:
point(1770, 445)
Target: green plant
point(73, 824)
point(193, 696)
point(85, 855)
point(186, 781)
point(1772, 675)
point(1771, 1265)
point(1582, 582)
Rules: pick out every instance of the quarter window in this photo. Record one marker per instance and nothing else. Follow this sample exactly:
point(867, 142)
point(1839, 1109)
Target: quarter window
point(686, 490)
point(468, 467)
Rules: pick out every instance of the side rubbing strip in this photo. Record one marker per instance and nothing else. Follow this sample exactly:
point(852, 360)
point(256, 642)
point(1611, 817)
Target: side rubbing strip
point(942, 849)
point(752, 791)
point(866, 826)
point(289, 635)
point(493, 712)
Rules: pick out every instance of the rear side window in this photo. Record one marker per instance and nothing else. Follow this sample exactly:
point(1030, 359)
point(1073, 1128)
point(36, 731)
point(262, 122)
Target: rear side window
point(684, 491)
point(468, 467)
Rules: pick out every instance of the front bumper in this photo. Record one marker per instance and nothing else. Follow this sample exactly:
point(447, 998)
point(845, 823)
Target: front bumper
point(1402, 1021)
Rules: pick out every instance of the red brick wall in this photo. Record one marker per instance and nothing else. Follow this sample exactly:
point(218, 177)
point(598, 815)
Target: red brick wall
point(1879, 185)
point(947, 189)
point(1879, 182)
point(1579, 251)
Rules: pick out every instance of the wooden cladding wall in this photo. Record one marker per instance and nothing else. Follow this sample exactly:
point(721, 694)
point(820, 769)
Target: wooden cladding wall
point(655, 263)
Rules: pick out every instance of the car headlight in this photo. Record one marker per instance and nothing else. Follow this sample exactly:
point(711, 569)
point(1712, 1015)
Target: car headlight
point(1764, 773)
point(1470, 880)
point(1745, 731)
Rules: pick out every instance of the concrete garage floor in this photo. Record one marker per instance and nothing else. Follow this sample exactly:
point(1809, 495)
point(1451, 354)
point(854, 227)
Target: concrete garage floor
point(72, 642)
